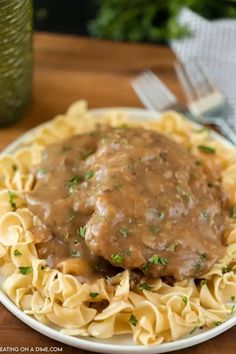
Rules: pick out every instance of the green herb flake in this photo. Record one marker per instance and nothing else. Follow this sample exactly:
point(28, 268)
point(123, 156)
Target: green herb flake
point(161, 214)
point(217, 323)
point(158, 260)
point(82, 231)
point(226, 269)
point(41, 172)
point(232, 309)
point(17, 253)
point(88, 174)
point(144, 286)
point(14, 167)
point(71, 219)
point(172, 247)
point(198, 163)
point(202, 130)
point(233, 213)
point(182, 192)
point(12, 199)
point(154, 229)
point(185, 300)
point(117, 186)
point(124, 126)
point(206, 149)
point(133, 320)
point(93, 295)
point(203, 282)
point(74, 254)
point(116, 258)
point(124, 232)
point(145, 268)
point(193, 330)
point(67, 235)
point(73, 181)
point(232, 298)
point(26, 270)
point(198, 266)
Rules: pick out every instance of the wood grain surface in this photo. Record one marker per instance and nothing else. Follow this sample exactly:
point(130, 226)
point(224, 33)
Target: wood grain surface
point(67, 69)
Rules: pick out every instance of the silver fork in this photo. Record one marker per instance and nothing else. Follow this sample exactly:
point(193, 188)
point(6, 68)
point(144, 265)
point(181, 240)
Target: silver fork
point(155, 95)
point(205, 101)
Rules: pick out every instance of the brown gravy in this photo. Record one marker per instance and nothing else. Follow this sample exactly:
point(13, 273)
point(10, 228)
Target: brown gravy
point(128, 198)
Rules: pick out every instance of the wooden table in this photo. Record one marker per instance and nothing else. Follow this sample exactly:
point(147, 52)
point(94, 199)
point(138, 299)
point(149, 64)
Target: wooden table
point(70, 68)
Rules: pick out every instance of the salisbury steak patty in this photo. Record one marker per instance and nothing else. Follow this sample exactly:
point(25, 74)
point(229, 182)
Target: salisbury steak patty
point(140, 198)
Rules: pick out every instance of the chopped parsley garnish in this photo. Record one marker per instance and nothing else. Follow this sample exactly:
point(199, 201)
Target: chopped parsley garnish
point(117, 258)
point(232, 298)
point(185, 194)
point(26, 270)
point(203, 282)
point(154, 229)
point(133, 320)
point(217, 323)
point(145, 268)
point(233, 213)
point(198, 163)
point(71, 218)
point(117, 186)
point(124, 126)
point(185, 300)
point(88, 174)
point(144, 286)
point(41, 172)
point(14, 167)
point(226, 269)
point(73, 181)
point(74, 254)
point(93, 294)
point(158, 260)
point(82, 231)
point(202, 130)
point(17, 253)
point(172, 247)
point(124, 231)
point(161, 214)
point(206, 149)
point(193, 330)
point(232, 309)
point(201, 261)
point(12, 199)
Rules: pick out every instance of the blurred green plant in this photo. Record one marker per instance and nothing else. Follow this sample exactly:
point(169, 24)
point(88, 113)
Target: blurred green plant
point(152, 20)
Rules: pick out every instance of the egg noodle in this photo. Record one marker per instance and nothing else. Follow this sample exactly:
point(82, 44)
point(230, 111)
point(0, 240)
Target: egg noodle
point(153, 313)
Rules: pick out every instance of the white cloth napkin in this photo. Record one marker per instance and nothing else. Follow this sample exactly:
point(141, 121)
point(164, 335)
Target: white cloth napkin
point(214, 42)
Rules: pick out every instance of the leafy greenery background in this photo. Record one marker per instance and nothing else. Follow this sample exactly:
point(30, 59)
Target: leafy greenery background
point(125, 20)
point(152, 20)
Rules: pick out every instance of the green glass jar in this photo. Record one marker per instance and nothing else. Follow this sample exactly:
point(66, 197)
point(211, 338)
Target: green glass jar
point(15, 59)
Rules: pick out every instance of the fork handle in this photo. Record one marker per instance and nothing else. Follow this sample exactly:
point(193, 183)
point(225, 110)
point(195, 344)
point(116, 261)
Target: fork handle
point(225, 129)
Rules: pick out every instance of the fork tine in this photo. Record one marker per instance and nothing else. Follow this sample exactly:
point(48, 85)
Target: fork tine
point(158, 83)
point(152, 91)
point(207, 76)
point(184, 81)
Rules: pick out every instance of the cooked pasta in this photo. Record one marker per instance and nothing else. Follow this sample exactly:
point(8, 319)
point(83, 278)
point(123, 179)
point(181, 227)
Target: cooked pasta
point(152, 314)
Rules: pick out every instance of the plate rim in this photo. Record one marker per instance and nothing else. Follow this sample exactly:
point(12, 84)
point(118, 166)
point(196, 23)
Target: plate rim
point(84, 342)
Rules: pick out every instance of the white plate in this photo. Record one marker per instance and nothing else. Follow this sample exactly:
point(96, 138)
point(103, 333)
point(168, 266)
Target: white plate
point(122, 343)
